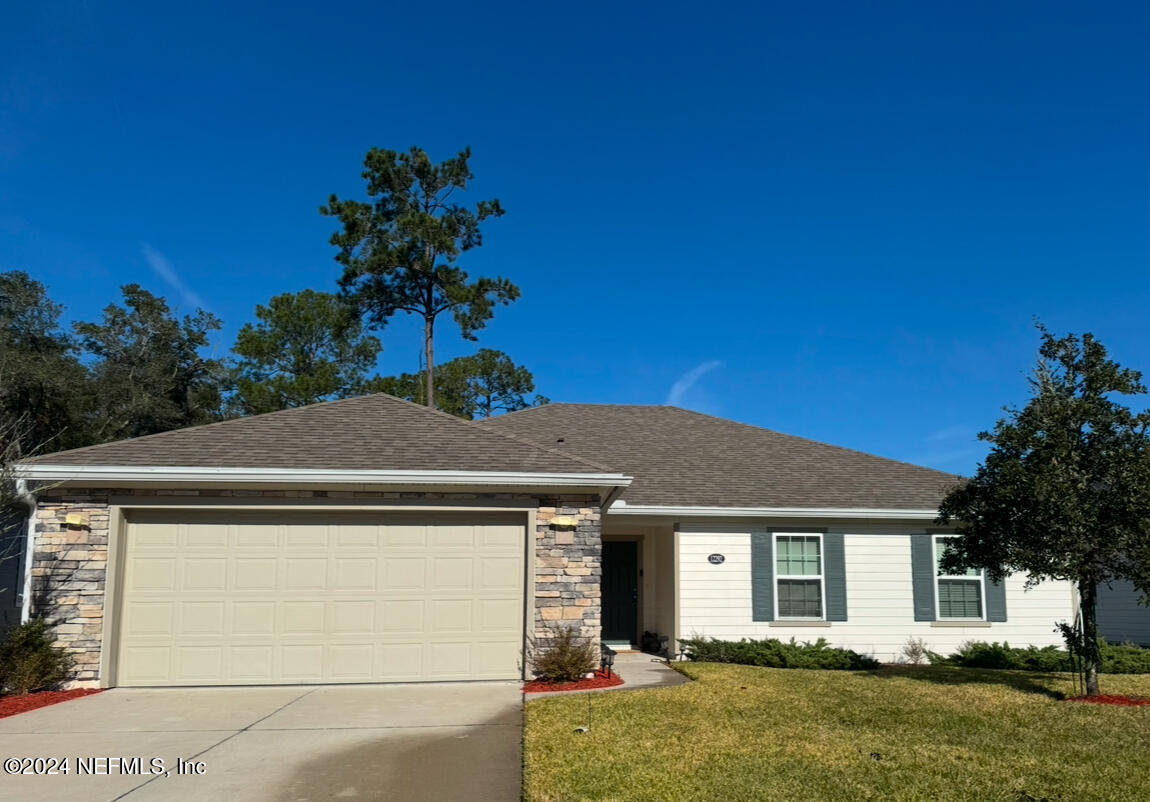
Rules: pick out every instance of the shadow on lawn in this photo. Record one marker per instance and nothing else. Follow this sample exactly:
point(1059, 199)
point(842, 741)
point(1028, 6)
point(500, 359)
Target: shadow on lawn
point(1026, 681)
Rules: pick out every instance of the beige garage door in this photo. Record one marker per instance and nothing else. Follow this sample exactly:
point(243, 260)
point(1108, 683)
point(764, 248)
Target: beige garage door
point(247, 598)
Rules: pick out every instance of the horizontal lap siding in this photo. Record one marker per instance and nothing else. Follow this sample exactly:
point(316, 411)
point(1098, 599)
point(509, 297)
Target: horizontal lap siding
point(715, 600)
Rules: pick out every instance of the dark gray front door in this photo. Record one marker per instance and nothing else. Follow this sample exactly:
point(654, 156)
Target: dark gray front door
point(620, 590)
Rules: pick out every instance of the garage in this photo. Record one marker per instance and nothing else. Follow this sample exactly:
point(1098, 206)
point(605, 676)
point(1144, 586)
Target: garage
point(249, 597)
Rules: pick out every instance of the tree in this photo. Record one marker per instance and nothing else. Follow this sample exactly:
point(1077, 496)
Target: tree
point(400, 250)
point(307, 347)
point(1065, 491)
point(43, 386)
point(476, 386)
point(149, 373)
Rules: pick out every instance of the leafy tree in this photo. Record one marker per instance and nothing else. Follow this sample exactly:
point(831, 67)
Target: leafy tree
point(149, 373)
point(1065, 491)
point(307, 347)
point(43, 386)
point(400, 250)
point(476, 386)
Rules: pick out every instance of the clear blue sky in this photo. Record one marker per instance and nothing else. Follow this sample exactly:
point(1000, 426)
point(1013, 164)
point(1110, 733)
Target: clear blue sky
point(839, 218)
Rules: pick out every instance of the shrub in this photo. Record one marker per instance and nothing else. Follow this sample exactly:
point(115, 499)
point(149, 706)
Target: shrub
point(1125, 658)
point(914, 652)
point(564, 657)
point(1116, 659)
point(776, 654)
point(28, 660)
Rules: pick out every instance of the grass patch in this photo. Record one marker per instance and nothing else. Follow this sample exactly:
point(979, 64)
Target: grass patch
point(906, 733)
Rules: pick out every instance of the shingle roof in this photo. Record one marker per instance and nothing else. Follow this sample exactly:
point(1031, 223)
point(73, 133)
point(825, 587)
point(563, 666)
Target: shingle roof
point(373, 432)
point(683, 458)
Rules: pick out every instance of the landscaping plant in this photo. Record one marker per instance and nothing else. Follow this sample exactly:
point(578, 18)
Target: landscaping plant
point(28, 660)
point(773, 653)
point(1116, 659)
point(564, 657)
point(1065, 491)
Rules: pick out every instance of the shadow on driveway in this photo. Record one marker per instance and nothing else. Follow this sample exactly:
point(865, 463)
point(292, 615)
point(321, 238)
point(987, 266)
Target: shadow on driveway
point(479, 762)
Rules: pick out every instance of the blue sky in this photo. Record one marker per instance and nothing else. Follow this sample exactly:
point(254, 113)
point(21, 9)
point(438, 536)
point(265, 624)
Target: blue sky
point(832, 219)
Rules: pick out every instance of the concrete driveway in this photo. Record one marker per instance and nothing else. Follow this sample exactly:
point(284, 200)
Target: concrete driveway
point(401, 742)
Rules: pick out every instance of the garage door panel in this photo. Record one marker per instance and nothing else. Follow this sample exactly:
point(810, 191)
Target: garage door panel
point(275, 597)
point(255, 573)
point(206, 619)
point(402, 617)
point(403, 574)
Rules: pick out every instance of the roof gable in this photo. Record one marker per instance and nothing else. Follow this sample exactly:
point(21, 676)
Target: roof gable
point(373, 432)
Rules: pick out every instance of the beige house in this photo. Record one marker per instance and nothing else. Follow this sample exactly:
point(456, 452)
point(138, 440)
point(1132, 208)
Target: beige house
point(373, 540)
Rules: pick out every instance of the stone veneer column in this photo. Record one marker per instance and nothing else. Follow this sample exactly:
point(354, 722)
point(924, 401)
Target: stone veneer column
point(568, 569)
point(69, 565)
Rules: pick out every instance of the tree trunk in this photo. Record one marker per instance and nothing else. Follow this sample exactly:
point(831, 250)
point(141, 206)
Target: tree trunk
point(1092, 657)
point(429, 356)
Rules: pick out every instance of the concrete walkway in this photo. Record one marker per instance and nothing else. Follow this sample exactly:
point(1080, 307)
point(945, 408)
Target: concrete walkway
point(442, 741)
point(638, 671)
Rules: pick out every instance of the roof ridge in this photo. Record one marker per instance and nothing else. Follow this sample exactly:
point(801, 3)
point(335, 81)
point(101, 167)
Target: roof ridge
point(479, 426)
point(44, 458)
point(811, 440)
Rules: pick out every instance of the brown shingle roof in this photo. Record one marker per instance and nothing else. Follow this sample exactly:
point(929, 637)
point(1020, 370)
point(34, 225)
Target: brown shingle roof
point(683, 458)
point(373, 432)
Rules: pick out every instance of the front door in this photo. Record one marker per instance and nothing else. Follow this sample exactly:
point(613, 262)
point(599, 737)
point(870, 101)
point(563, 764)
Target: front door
point(620, 590)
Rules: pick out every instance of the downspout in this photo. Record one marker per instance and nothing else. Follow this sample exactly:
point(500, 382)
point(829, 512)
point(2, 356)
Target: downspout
point(29, 499)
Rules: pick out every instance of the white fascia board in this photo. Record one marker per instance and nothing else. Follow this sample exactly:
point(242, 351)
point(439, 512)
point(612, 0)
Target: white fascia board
point(120, 473)
point(773, 512)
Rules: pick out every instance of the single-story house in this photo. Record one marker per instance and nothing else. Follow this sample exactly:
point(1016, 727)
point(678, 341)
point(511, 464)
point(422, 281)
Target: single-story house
point(374, 540)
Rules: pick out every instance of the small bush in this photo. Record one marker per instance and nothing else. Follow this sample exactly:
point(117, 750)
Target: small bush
point(914, 652)
point(28, 660)
point(772, 653)
point(564, 657)
point(1116, 659)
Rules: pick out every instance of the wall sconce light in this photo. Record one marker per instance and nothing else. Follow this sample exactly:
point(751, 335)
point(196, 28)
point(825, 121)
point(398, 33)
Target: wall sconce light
point(77, 519)
point(564, 521)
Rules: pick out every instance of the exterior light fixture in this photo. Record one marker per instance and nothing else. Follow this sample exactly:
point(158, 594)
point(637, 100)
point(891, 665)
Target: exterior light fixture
point(606, 658)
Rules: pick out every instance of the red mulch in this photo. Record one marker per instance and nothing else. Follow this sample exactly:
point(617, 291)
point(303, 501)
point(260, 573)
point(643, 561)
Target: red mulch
point(1121, 701)
point(11, 705)
point(600, 680)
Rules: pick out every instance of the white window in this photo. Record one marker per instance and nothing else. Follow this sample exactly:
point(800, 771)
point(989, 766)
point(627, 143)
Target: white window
point(959, 596)
point(799, 576)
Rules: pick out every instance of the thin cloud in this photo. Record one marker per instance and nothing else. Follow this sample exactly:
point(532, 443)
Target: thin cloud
point(950, 433)
point(164, 269)
point(687, 381)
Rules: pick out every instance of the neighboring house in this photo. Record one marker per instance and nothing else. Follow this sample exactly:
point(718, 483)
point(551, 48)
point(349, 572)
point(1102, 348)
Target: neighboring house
point(374, 540)
point(1121, 615)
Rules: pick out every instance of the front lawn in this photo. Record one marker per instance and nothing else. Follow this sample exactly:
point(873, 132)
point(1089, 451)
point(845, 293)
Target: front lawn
point(741, 732)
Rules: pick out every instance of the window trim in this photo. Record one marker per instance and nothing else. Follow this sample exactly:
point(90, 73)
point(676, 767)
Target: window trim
point(981, 579)
point(821, 577)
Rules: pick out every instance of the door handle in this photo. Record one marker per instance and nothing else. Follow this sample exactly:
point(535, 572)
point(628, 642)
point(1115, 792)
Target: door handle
point(634, 594)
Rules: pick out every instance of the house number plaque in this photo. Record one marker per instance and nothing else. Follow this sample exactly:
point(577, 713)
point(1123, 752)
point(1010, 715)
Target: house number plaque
point(716, 559)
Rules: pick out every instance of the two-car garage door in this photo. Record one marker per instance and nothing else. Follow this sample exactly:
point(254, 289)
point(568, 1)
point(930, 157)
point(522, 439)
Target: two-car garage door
point(271, 597)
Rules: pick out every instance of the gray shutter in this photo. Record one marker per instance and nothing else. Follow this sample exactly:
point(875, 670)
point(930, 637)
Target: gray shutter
point(762, 576)
point(996, 601)
point(923, 571)
point(835, 576)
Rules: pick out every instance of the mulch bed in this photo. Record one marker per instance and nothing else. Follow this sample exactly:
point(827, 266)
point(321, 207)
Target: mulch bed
point(11, 705)
point(1121, 701)
point(600, 680)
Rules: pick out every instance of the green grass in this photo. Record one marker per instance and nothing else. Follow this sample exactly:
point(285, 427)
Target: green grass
point(906, 733)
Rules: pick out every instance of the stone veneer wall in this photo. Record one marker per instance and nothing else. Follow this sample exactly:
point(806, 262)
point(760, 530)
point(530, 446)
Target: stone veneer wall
point(568, 569)
point(69, 563)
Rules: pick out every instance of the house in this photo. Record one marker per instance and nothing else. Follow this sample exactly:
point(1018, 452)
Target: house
point(374, 540)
